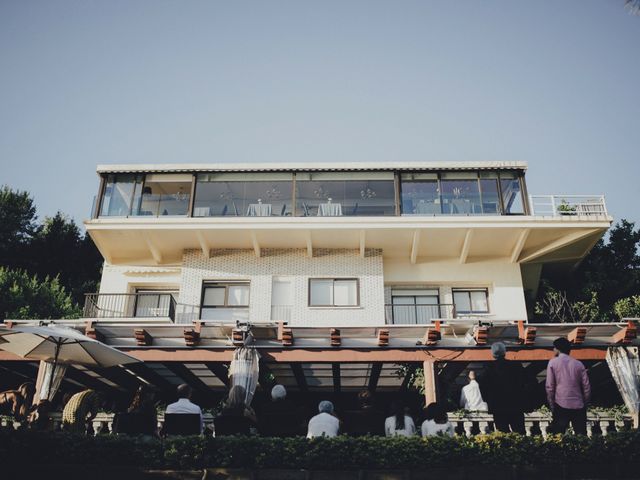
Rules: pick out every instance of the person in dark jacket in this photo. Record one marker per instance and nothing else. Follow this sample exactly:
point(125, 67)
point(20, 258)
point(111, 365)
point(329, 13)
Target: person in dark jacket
point(503, 388)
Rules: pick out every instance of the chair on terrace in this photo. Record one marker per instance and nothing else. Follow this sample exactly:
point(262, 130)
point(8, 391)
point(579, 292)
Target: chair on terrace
point(181, 424)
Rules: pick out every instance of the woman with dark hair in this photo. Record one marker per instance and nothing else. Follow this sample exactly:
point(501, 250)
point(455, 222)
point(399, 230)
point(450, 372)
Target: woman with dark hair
point(437, 421)
point(141, 418)
point(399, 423)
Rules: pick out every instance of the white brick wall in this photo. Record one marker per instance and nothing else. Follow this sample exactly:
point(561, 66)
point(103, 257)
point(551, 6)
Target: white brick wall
point(259, 271)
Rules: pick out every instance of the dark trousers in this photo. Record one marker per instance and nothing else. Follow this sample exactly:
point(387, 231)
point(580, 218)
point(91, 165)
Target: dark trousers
point(562, 417)
point(509, 422)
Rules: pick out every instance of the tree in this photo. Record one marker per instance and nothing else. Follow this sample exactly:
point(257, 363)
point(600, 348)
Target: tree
point(25, 297)
point(17, 224)
point(59, 249)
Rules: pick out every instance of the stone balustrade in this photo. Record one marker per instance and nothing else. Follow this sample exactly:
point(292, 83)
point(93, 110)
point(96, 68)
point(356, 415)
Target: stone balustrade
point(465, 424)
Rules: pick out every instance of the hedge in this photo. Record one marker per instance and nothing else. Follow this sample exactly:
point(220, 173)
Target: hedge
point(188, 453)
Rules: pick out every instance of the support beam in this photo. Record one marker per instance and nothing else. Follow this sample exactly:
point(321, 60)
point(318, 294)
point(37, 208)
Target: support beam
point(188, 376)
point(255, 243)
point(335, 367)
point(89, 381)
point(119, 376)
point(557, 244)
point(626, 335)
point(336, 340)
point(430, 382)
point(362, 243)
point(192, 335)
point(300, 378)
point(374, 376)
point(577, 335)
point(204, 245)
point(414, 246)
point(464, 253)
point(219, 370)
point(148, 374)
point(383, 337)
point(155, 252)
point(517, 249)
point(143, 338)
point(309, 245)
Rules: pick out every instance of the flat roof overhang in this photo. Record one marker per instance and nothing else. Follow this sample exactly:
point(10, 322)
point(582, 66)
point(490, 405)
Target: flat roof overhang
point(306, 167)
point(465, 239)
point(311, 364)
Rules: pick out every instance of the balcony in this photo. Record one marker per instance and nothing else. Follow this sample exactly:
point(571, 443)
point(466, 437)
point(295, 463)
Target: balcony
point(568, 205)
point(417, 314)
point(130, 305)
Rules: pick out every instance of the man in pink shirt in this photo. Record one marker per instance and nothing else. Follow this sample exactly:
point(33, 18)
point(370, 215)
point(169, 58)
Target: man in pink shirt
point(568, 390)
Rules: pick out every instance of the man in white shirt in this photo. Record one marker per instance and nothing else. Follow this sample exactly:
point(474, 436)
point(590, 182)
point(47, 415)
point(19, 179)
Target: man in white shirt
point(325, 423)
point(184, 404)
point(470, 397)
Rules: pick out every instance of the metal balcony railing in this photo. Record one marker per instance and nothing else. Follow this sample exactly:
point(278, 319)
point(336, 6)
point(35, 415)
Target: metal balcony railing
point(417, 314)
point(130, 305)
point(572, 205)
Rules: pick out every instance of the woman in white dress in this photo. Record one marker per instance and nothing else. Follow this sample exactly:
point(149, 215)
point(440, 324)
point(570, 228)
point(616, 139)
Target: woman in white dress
point(399, 423)
point(437, 422)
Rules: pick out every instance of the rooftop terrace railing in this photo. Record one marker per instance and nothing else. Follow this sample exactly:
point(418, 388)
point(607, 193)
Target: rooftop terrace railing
point(570, 205)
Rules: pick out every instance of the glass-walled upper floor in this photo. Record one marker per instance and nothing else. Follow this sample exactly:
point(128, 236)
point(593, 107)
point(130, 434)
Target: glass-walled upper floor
point(313, 194)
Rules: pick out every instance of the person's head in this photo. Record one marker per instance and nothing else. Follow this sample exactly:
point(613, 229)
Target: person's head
point(498, 350)
point(440, 414)
point(472, 375)
point(561, 345)
point(184, 391)
point(365, 398)
point(144, 396)
point(325, 406)
point(398, 409)
point(237, 397)
point(430, 411)
point(278, 393)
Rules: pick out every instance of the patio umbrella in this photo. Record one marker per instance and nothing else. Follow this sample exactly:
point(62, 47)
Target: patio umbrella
point(57, 347)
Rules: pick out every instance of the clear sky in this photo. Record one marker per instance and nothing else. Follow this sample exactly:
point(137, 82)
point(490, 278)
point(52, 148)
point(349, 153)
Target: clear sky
point(553, 83)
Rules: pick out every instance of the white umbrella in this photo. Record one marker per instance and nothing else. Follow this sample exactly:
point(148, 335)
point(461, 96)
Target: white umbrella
point(59, 346)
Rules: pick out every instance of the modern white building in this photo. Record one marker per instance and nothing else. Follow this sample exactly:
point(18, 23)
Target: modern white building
point(328, 245)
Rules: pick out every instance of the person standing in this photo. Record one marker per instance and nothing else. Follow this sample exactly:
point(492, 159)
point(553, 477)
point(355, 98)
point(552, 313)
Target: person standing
point(80, 411)
point(504, 391)
point(568, 390)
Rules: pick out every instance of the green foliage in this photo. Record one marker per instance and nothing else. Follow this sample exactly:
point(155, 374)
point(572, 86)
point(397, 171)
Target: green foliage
point(341, 453)
point(627, 307)
point(23, 296)
point(17, 223)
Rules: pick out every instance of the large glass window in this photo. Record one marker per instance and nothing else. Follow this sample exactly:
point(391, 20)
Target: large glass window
point(333, 292)
point(334, 194)
point(120, 192)
point(489, 193)
point(420, 193)
point(469, 301)
point(243, 194)
point(415, 306)
point(164, 194)
point(225, 301)
point(154, 303)
point(460, 193)
point(511, 194)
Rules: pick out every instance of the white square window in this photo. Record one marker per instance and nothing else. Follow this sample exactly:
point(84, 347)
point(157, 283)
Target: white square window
point(330, 292)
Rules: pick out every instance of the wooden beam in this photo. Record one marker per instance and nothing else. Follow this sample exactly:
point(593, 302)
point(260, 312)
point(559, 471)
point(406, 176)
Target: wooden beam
point(192, 335)
point(190, 378)
point(374, 376)
point(626, 335)
point(334, 335)
point(89, 381)
point(219, 370)
point(298, 372)
point(256, 244)
point(557, 244)
point(119, 376)
point(517, 249)
point(143, 338)
point(148, 374)
point(383, 337)
point(335, 367)
point(362, 243)
point(430, 382)
point(466, 246)
point(155, 252)
point(526, 334)
point(577, 335)
point(414, 246)
point(309, 245)
point(204, 245)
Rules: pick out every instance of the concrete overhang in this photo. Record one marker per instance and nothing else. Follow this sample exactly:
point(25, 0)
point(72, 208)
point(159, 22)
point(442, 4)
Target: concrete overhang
point(516, 239)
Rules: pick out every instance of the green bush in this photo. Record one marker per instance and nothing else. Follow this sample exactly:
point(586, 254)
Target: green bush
point(341, 453)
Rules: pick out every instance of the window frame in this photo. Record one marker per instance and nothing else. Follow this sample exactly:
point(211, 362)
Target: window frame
point(468, 291)
point(333, 279)
point(226, 285)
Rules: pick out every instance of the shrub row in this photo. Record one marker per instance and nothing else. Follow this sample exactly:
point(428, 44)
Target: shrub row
point(37, 448)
